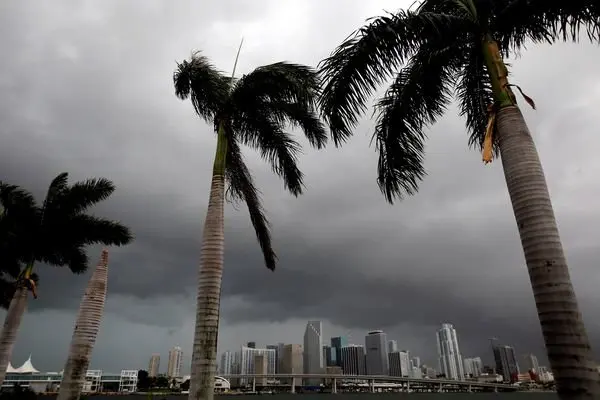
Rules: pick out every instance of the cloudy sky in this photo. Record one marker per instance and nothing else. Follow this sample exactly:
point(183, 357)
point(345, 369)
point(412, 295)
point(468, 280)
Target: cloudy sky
point(86, 87)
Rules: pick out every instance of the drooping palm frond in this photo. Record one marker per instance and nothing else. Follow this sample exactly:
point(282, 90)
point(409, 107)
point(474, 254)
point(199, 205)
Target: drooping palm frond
point(288, 93)
point(207, 87)
point(82, 195)
point(474, 94)
point(242, 187)
point(418, 96)
point(368, 57)
point(258, 129)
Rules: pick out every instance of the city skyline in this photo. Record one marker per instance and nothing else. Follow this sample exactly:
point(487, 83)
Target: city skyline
point(106, 107)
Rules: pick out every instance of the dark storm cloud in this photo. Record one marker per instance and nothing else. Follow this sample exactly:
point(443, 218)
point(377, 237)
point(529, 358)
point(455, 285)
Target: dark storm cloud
point(86, 88)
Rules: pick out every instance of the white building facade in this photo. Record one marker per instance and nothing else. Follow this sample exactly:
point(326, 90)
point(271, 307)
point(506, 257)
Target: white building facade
point(450, 359)
point(377, 353)
point(175, 362)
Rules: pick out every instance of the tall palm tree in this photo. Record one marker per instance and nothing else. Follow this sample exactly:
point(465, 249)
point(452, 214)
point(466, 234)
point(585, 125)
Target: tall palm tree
point(457, 47)
point(254, 111)
point(85, 332)
point(55, 233)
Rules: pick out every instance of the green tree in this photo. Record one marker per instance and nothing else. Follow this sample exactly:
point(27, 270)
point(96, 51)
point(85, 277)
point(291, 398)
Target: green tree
point(446, 47)
point(254, 111)
point(55, 233)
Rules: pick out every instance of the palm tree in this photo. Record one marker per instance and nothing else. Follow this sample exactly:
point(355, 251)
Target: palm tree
point(253, 111)
point(456, 47)
point(55, 233)
point(84, 334)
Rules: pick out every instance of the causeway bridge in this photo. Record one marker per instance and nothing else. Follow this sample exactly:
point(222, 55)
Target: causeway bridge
point(372, 382)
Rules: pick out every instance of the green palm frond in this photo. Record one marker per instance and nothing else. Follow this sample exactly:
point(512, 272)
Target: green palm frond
point(474, 94)
point(206, 86)
point(418, 96)
point(242, 187)
point(82, 195)
point(368, 57)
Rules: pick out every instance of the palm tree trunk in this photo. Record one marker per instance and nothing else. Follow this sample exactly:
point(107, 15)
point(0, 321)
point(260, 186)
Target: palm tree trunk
point(567, 343)
point(204, 354)
point(12, 322)
point(84, 335)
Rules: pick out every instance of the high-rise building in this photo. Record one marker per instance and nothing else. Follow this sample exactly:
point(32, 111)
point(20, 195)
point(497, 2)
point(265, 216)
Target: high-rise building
point(248, 357)
point(313, 348)
point(175, 362)
point(292, 360)
point(329, 359)
point(279, 356)
point(399, 362)
point(506, 362)
point(473, 367)
point(392, 346)
point(154, 365)
point(337, 343)
point(251, 345)
point(227, 363)
point(261, 367)
point(531, 363)
point(377, 359)
point(276, 348)
point(416, 361)
point(450, 360)
point(353, 360)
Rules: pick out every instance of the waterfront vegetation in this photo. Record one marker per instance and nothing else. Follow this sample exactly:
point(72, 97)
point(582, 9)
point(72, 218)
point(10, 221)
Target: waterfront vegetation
point(441, 48)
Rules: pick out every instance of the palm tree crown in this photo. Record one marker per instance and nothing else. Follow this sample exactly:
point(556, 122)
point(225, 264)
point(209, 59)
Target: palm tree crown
point(255, 110)
point(55, 232)
point(444, 45)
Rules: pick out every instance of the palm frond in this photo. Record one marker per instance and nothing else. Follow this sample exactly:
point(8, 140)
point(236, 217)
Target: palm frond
point(368, 57)
point(261, 130)
point(82, 195)
point(88, 229)
point(207, 87)
point(474, 94)
point(242, 187)
point(418, 96)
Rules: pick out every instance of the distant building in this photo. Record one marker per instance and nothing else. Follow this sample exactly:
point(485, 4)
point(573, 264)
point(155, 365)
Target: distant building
point(153, 365)
point(313, 350)
point(506, 362)
point(261, 368)
point(227, 363)
point(329, 354)
point(473, 367)
point(392, 346)
point(277, 356)
point(376, 349)
point(353, 360)
point(337, 343)
point(531, 363)
point(175, 362)
point(292, 360)
point(450, 359)
point(248, 358)
point(251, 345)
point(416, 362)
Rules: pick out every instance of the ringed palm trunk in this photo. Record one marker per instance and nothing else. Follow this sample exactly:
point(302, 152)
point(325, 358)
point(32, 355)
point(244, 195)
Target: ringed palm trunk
point(567, 343)
point(12, 322)
point(204, 354)
point(86, 330)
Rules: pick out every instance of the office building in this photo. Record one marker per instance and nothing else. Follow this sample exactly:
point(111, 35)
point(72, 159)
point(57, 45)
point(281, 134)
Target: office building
point(377, 358)
point(531, 363)
point(392, 346)
point(261, 367)
point(337, 343)
point(506, 362)
point(175, 362)
point(450, 359)
point(353, 360)
point(292, 360)
point(154, 365)
point(279, 356)
point(227, 364)
point(399, 364)
point(329, 359)
point(313, 348)
point(276, 348)
point(248, 358)
point(473, 367)
point(251, 345)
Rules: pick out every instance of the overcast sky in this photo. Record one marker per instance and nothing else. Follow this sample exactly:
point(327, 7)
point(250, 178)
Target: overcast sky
point(86, 87)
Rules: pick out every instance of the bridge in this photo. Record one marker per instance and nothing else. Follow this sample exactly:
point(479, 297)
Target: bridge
point(402, 383)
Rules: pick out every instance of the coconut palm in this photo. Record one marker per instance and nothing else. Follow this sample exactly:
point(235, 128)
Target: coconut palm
point(55, 233)
point(456, 47)
point(254, 111)
point(84, 334)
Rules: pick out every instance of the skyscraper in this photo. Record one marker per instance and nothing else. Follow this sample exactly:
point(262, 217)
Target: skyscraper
point(154, 365)
point(227, 363)
point(353, 360)
point(337, 343)
point(277, 356)
point(473, 367)
point(292, 360)
point(506, 362)
point(531, 363)
point(392, 346)
point(450, 360)
point(329, 356)
point(377, 358)
point(248, 357)
point(175, 362)
point(313, 348)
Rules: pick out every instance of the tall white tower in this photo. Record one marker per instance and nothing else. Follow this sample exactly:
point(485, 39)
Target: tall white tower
point(313, 348)
point(175, 362)
point(450, 360)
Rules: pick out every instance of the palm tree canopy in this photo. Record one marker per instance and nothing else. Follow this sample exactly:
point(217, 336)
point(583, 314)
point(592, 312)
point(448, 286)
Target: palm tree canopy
point(256, 110)
point(57, 231)
point(439, 52)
